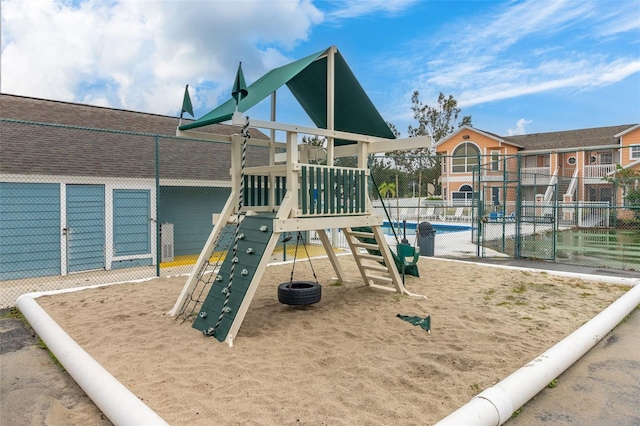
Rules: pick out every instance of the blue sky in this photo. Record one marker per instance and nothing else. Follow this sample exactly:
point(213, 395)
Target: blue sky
point(515, 66)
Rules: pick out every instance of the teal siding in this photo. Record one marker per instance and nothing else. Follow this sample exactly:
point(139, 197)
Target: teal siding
point(132, 263)
point(85, 227)
point(190, 210)
point(131, 222)
point(29, 230)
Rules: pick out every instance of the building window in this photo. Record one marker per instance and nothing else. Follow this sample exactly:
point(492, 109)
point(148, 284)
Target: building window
point(571, 161)
point(465, 158)
point(635, 152)
point(593, 159)
point(464, 196)
point(495, 161)
point(606, 158)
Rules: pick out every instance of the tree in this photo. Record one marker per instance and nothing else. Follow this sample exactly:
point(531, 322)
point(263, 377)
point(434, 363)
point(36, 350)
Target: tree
point(322, 157)
point(314, 140)
point(629, 180)
point(387, 189)
point(435, 121)
point(438, 121)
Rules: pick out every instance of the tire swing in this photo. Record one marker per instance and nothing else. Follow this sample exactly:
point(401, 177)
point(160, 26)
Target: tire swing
point(300, 293)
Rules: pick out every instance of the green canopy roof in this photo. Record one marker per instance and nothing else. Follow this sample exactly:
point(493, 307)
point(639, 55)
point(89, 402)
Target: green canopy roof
point(307, 80)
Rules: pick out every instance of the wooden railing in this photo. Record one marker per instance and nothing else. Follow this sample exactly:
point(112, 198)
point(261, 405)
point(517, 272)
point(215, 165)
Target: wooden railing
point(332, 191)
point(257, 190)
point(321, 190)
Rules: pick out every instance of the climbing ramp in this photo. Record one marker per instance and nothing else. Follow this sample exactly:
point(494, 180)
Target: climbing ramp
point(237, 279)
point(211, 257)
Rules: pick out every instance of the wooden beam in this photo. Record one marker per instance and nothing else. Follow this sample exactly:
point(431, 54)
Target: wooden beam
point(322, 234)
point(386, 145)
point(238, 119)
point(331, 74)
point(314, 223)
point(191, 134)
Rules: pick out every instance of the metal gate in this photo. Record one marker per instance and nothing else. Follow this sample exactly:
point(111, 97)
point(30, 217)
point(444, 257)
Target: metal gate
point(517, 211)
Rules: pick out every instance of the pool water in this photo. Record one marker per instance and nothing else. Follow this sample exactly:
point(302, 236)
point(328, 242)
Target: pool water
point(411, 228)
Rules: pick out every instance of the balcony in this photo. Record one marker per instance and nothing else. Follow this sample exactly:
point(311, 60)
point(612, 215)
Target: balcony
point(597, 172)
point(535, 175)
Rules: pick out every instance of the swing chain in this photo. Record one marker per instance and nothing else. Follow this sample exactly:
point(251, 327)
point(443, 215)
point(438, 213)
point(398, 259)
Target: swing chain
point(295, 257)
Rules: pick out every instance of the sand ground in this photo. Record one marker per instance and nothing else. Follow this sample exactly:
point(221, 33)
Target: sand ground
point(346, 360)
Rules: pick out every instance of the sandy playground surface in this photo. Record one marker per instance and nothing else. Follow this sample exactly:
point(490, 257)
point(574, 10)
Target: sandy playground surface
point(347, 360)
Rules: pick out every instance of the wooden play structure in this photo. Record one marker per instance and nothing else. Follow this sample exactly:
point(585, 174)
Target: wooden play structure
point(293, 193)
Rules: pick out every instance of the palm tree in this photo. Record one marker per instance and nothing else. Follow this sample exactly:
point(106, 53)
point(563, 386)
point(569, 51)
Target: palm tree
point(387, 190)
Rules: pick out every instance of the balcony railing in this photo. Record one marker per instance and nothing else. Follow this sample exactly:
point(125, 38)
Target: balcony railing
point(598, 171)
point(535, 175)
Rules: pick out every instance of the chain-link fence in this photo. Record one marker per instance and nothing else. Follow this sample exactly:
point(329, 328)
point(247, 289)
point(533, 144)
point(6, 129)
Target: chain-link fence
point(82, 206)
point(580, 207)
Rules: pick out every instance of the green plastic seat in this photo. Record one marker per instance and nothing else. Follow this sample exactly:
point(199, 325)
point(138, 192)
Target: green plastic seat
point(407, 259)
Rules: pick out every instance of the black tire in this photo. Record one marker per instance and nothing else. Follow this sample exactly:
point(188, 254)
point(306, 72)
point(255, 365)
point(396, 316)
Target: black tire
point(298, 293)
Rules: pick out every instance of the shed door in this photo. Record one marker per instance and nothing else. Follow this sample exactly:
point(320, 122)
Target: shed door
point(85, 230)
point(29, 230)
point(131, 222)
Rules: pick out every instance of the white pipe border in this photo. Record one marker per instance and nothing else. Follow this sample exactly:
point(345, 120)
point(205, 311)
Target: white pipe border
point(588, 277)
point(495, 405)
point(118, 403)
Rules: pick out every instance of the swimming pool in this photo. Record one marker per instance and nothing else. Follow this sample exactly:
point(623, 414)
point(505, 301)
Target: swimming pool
point(411, 228)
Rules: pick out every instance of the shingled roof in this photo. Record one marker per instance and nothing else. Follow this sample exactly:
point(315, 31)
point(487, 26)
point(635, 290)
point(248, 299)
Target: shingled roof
point(581, 138)
point(37, 149)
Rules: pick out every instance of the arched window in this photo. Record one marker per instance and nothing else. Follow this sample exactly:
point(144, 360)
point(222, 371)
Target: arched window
point(465, 158)
point(463, 196)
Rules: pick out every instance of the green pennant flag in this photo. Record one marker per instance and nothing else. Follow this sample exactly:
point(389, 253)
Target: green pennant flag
point(425, 323)
point(239, 91)
point(186, 103)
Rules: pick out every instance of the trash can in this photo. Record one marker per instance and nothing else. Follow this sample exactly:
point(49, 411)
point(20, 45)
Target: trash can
point(426, 238)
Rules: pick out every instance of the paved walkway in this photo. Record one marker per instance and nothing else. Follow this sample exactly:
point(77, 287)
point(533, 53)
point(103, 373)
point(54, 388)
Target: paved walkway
point(602, 388)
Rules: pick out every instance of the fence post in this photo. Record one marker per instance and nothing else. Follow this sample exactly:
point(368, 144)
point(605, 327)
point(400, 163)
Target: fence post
point(157, 221)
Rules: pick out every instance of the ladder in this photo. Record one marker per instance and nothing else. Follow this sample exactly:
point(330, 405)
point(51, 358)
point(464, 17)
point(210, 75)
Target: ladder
point(372, 255)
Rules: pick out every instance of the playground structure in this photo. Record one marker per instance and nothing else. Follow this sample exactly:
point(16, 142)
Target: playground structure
point(292, 194)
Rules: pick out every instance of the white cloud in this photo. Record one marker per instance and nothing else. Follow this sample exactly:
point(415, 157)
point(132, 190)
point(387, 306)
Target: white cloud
point(519, 130)
point(138, 54)
point(347, 9)
point(522, 48)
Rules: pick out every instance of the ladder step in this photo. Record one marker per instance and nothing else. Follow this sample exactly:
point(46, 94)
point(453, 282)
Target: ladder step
point(379, 278)
point(366, 245)
point(377, 267)
point(370, 257)
point(361, 234)
point(382, 287)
